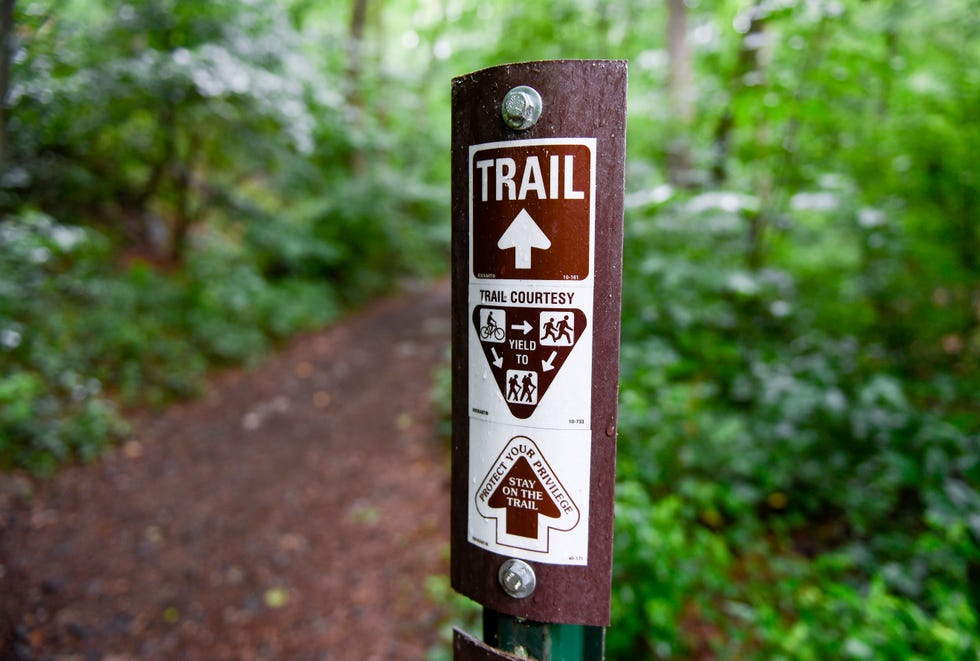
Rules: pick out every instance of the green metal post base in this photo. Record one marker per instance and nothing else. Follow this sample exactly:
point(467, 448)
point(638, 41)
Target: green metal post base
point(543, 641)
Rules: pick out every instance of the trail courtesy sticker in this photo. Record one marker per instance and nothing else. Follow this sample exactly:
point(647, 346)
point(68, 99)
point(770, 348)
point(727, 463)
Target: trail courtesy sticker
point(530, 355)
point(526, 348)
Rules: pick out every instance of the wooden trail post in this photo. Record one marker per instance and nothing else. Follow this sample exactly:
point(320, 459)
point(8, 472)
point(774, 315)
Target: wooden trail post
point(538, 152)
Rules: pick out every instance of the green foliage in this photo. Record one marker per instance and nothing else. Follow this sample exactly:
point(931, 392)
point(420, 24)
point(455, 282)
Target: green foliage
point(116, 112)
point(740, 401)
point(464, 613)
point(801, 340)
point(52, 407)
point(789, 608)
point(663, 561)
point(73, 332)
point(441, 395)
point(184, 185)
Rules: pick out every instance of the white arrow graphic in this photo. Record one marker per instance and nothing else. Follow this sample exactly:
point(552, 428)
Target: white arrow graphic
point(522, 235)
point(498, 361)
point(526, 327)
point(546, 365)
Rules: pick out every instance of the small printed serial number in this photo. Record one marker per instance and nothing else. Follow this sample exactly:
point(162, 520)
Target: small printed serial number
point(570, 276)
point(576, 421)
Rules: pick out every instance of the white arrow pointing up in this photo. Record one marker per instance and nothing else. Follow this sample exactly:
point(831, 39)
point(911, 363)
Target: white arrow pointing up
point(522, 235)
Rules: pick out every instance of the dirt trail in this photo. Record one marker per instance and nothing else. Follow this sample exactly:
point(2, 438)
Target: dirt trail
point(294, 512)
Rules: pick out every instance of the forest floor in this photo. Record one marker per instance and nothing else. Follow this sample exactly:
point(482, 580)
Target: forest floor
point(295, 511)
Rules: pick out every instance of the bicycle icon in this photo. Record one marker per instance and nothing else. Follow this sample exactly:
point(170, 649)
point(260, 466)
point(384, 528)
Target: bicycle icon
point(490, 329)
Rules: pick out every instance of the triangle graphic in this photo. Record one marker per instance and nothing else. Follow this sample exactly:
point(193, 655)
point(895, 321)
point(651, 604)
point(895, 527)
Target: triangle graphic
point(524, 498)
point(526, 348)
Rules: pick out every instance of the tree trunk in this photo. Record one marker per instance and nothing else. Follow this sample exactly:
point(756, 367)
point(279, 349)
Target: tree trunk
point(355, 65)
point(680, 83)
point(183, 217)
point(747, 62)
point(6, 57)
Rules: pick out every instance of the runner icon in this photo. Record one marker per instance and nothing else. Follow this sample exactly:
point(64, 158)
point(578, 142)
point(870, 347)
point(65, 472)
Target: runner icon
point(522, 387)
point(557, 329)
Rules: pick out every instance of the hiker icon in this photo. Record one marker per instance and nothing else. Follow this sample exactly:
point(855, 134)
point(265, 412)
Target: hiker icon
point(492, 324)
point(557, 329)
point(522, 387)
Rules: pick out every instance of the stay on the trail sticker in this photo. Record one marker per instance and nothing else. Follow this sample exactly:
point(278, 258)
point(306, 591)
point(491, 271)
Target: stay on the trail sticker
point(527, 503)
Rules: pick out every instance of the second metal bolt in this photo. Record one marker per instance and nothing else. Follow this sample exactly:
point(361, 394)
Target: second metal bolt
point(517, 578)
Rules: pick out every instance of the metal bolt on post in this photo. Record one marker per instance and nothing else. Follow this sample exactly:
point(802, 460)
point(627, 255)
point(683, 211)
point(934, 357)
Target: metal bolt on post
point(517, 578)
point(521, 108)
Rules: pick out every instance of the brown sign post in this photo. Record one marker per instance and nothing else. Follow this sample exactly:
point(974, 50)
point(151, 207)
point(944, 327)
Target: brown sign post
point(538, 154)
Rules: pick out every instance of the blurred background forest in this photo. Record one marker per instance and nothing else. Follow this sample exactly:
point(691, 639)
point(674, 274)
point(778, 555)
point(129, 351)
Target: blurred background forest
point(185, 184)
